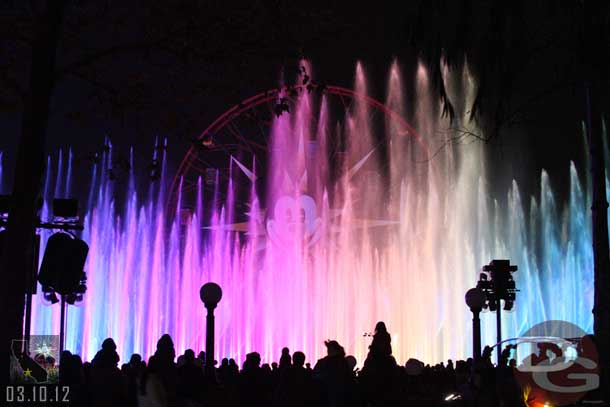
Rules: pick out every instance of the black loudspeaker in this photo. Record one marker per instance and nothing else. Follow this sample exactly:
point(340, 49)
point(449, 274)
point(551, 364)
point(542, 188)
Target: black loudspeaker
point(63, 263)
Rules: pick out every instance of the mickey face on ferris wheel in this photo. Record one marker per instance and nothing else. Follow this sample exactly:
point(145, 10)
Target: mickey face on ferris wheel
point(295, 219)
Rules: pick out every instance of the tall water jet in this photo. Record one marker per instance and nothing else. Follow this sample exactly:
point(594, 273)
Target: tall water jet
point(337, 240)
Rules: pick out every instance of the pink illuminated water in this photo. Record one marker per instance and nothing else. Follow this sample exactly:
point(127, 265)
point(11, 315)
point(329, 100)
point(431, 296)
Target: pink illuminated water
point(328, 256)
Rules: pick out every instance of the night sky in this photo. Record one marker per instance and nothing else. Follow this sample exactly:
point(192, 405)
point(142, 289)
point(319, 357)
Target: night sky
point(173, 68)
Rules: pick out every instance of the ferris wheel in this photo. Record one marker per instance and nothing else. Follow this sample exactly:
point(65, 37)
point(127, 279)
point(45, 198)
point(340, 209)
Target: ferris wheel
point(244, 131)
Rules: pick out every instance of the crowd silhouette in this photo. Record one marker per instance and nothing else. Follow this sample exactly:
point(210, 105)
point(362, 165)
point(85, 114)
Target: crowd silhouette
point(334, 380)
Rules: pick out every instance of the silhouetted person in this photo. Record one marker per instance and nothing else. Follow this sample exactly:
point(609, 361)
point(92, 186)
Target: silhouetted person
point(484, 379)
point(233, 369)
point(295, 387)
point(159, 381)
point(285, 359)
point(299, 359)
point(275, 374)
point(381, 345)
point(380, 375)
point(64, 365)
point(153, 392)
point(71, 374)
point(133, 371)
point(107, 356)
point(333, 375)
point(107, 385)
point(200, 361)
point(190, 379)
point(253, 385)
point(223, 371)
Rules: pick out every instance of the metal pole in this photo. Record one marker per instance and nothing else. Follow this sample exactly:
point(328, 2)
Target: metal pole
point(209, 343)
point(476, 335)
point(28, 315)
point(62, 321)
point(30, 289)
point(498, 329)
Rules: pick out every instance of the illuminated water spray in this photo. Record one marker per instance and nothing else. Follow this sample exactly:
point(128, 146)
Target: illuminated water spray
point(357, 225)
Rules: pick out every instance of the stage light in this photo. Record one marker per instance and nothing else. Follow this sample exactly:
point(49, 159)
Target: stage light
point(207, 141)
point(51, 297)
point(65, 208)
point(71, 298)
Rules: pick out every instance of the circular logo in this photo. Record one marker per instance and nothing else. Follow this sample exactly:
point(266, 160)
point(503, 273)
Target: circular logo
point(560, 366)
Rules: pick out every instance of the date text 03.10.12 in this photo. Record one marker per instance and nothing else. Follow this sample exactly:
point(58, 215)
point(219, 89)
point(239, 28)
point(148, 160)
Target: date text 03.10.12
point(32, 395)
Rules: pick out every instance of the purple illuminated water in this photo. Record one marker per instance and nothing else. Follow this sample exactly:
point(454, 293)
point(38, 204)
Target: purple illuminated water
point(403, 248)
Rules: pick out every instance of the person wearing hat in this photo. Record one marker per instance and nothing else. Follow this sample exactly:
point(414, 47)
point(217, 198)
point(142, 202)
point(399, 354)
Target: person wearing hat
point(332, 373)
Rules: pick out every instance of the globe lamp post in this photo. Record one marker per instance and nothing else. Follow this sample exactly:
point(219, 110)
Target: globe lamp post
point(475, 299)
point(210, 295)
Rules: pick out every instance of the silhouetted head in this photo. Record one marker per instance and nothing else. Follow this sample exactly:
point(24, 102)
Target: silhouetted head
point(165, 347)
point(135, 359)
point(274, 365)
point(334, 349)
point(224, 362)
point(380, 327)
point(63, 358)
point(253, 359)
point(108, 344)
point(298, 359)
point(189, 355)
point(285, 351)
point(76, 361)
point(201, 355)
point(351, 362)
